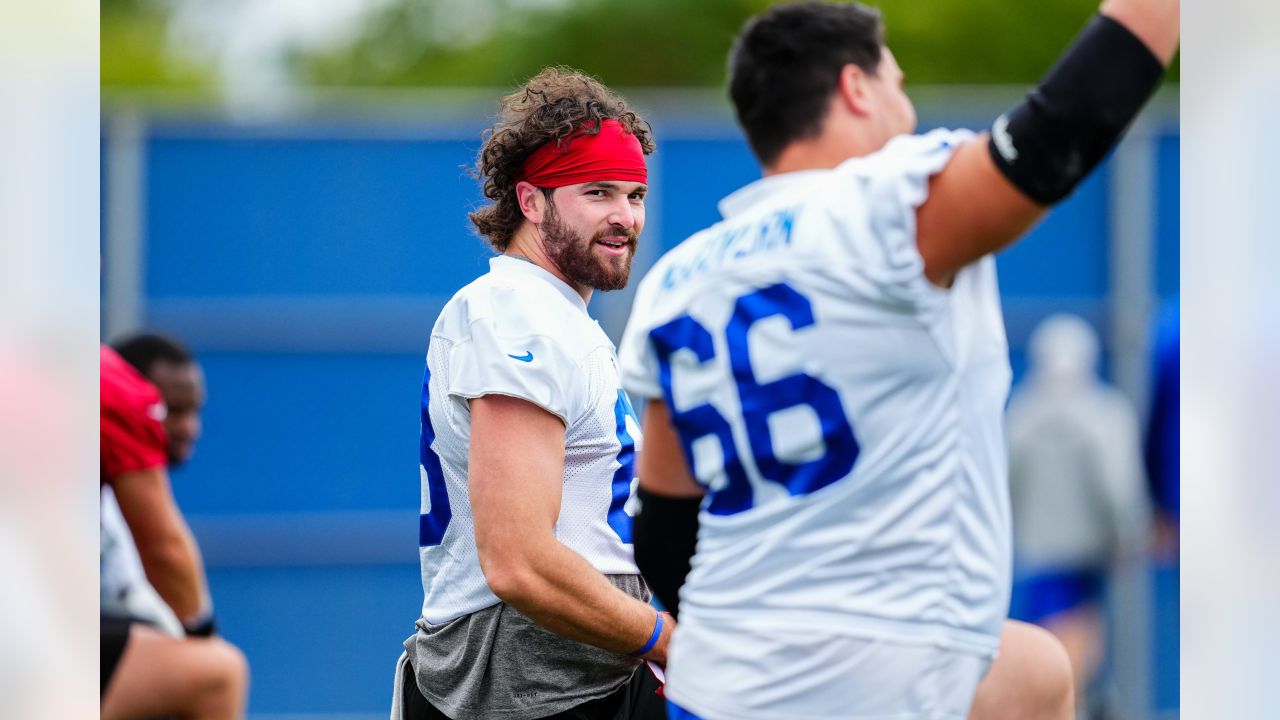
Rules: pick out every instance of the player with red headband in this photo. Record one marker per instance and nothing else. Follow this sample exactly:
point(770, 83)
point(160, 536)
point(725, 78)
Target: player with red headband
point(534, 607)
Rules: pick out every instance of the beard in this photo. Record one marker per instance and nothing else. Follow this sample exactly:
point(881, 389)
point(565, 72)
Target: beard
point(575, 255)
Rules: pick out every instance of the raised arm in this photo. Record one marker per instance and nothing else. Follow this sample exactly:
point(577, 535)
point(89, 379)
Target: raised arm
point(995, 188)
point(1154, 22)
point(515, 481)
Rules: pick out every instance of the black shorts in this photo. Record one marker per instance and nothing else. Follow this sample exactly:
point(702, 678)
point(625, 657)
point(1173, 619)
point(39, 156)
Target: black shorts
point(115, 635)
point(638, 699)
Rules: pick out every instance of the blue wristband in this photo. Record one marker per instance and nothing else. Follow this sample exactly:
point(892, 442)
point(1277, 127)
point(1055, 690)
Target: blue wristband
point(653, 639)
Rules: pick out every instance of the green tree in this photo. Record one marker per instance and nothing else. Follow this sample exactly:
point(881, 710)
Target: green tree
point(666, 43)
point(134, 52)
point(675, 42)
point(655, 42)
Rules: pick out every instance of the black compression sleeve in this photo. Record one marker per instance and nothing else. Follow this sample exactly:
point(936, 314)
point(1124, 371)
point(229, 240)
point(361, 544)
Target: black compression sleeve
point(1062, 129)
point(665, 533)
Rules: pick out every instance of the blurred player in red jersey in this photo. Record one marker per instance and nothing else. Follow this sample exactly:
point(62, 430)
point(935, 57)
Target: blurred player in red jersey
point(144, 672)
point(177, 374)
point(174, 371)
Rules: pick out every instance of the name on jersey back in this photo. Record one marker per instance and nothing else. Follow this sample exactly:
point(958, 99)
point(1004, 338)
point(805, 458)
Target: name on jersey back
point(731, 243)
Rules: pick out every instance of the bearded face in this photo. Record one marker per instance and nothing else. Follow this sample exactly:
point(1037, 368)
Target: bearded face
point(599, 260)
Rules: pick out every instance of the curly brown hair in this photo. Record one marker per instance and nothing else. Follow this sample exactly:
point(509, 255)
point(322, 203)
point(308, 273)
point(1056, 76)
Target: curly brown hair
point(549, 107)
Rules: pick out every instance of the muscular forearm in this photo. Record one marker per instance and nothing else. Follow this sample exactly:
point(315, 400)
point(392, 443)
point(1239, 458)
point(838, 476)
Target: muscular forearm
point(665, 539)
point(165, 545)
point(516, 480)
point(665, 529)
point(175, 570)
point(561, 591)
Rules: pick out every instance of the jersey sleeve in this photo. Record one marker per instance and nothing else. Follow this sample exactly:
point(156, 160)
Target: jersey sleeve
point(637, 364)
point(894, 183)
point(516, 351)
point(132, 435)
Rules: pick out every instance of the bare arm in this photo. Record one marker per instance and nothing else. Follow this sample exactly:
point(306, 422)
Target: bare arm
point(662, 466)
point(1155, 22)
point(973, 209)
point(515, 480)
point(165, 545)
point(666, 527)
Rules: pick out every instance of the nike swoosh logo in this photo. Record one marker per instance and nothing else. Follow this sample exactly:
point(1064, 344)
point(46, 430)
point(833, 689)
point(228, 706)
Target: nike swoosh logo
point(526, 357)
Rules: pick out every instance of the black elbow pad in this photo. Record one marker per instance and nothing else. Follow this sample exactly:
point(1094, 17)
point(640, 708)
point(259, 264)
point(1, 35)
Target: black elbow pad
point(1050, 142)
point(665, 535)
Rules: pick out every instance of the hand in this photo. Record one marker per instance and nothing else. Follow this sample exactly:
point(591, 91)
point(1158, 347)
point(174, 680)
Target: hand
point(658, 655)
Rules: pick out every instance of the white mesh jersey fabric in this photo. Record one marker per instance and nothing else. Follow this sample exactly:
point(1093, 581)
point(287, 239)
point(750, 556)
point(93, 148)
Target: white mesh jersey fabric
point(519, 331)
point(857, 470)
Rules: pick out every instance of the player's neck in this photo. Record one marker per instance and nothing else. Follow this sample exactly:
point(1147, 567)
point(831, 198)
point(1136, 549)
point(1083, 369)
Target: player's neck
point(527, 246)
point(838, 142)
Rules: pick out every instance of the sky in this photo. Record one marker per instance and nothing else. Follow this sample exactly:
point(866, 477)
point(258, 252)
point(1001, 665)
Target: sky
point(244, 38)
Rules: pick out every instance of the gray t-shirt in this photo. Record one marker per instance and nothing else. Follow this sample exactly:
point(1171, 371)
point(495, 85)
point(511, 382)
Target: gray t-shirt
point(497, 663)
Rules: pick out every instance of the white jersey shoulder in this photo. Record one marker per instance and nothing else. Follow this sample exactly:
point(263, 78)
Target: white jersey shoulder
point(521, 332)
point(512, 331)
point(858, 218)
point(843, 413)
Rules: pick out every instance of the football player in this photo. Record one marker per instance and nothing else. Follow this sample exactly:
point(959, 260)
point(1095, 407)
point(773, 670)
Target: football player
point(533, 603)
point(826, 371)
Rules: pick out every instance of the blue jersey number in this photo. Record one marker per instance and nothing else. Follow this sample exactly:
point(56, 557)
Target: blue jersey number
point(758, 401)
point(618, 518)
point(431, 525)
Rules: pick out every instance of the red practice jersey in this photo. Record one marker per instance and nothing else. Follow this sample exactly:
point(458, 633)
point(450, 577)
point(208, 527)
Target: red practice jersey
point(132, 431)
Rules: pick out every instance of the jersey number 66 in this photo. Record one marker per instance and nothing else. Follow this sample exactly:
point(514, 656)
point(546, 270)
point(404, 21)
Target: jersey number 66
point(757, 400)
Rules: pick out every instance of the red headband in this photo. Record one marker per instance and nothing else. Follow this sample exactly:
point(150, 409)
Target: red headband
point(611, 154)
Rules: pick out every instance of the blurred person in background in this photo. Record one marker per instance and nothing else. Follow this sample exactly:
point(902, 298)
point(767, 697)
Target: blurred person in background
point(826, 373)
point(534, 607)
point(174, 371)
point(1077, 491)
point(144, 671)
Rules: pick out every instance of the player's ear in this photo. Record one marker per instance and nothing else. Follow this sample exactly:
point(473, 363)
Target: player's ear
point(852, 90)
point(533, 204)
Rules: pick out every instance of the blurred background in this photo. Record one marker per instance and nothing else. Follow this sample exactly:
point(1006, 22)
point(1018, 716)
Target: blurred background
point(284, 188)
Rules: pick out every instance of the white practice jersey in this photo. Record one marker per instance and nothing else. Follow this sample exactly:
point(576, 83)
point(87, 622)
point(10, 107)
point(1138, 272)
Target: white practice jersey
point(846, 416)
point(125, 589)
point(519, 331)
